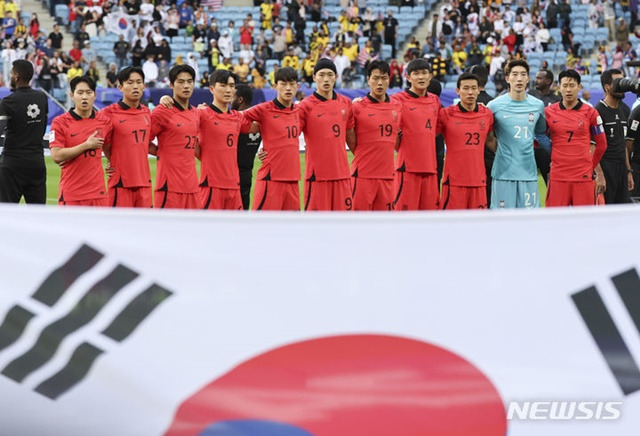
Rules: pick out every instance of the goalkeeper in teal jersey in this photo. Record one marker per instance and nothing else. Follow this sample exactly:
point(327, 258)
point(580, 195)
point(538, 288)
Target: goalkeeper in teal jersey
point(518, 120)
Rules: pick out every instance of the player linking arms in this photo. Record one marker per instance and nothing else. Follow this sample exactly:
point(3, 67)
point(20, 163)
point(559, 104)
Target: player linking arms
point(326, 119)
point(465, 128)
point(377, 121)
point(416, 177)
point(177, 129)
point(518, 117)
point(277, 180)
point(572, 125)
point(128, 153)
point(76, 141)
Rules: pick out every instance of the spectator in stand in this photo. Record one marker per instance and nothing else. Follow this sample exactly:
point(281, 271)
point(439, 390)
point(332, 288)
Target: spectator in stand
point(164, 51)
point(594, 12)
point(121, 50)
point(76, 52)
point(163, 74)
point(622, 32)
point(439, 67)
point(150, 70)
point(75, 70)
point(543, 36)
point(8, 56)
point(136, 54)
point(146, 11)
point(609, 14)
point(241, 70)
point(213, 34)
point(93, 72)
point(603, 61)
point(391, 31)
point(567, 37)
point(564, 12)
point(173, 21)
point(552, 14)
point(88, 54)
point(291, 60)
point(112, 76)
point(266, 14)
point(9, 25)
point(247, 55)
point(186, 15)
point(56, 37)
point(246, 33)
point(618, 56)
point(225, 44)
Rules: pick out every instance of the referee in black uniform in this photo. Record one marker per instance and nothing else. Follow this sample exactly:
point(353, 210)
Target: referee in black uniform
point(248, 144)
point(25, 112)
point(615, 162)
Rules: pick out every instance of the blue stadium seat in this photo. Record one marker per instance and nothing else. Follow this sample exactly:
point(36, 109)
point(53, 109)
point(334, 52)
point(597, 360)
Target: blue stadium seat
point(406, 9)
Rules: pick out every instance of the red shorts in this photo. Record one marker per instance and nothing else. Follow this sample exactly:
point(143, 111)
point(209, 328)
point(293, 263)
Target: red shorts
point(221, 199)
point(178, 200)
point(328, 195)
point(274, 195)
point(416, 191)
point(570, 194)
point(463, 197)
point(130, 197)
point(372, 194)
point(95, 202)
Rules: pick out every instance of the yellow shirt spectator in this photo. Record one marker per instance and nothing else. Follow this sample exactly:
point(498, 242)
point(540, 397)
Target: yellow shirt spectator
point(242, 71)
point(258, 80)
point(488, 54)
point(459, 58)
point(74, 72)
point(291, 61)
point(324, 40)
point(20, 29)
point(351, 52)
point(288, 35)
point(1, 8)
point(343, 19)
point(307, 66)
point(267, 11)
point(353, 27)
point(13, 8)
point(224, 66)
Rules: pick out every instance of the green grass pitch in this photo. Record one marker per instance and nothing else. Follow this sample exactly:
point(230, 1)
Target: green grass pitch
point(53, 178)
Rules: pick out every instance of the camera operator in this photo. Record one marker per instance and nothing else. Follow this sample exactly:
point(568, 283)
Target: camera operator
point(615, 162)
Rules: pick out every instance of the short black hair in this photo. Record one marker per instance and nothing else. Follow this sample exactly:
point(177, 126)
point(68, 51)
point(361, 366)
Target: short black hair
point(379, 65)
point(435, 87)
point(606, 78)
point(418, 64)
point(286, 74)
point(24, 69)
point(466, 76)
point(126, 73)
point(516, 63)
point(571, 74)
point(547, 72)
point(481, 73)
point(175, 71)
point(82, 79)
point(221, 76)
point(245, 92)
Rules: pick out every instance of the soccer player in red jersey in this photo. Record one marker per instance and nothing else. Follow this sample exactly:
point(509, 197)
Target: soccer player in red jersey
point(76, 139)
point(465, 127)
point(219, 130)
point(377, 121)
point(177, 129)
point(326, 119)
point(572, 126)
point(130, 182)
point(277, 180)
point(416, 178)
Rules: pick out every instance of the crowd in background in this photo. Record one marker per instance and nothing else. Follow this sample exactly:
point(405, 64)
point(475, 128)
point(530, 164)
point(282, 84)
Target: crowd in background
point(463, 33)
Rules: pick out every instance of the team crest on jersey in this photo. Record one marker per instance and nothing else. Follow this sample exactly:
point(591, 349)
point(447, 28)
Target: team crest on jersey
point(146, 120)
point(531, 117)
point(482, 124)
point(580, 122)
point(344, 114)
point(395, 115)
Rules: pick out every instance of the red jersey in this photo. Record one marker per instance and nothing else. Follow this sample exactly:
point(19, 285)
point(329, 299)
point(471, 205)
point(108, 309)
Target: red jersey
point(325, 124)
point(82, 177)
point(377, 125)
point(177, 131)
point(465, 135)
point(417, 152)
point(219, 147)
point(129, 145)
point(571, 132)
point(280, 127)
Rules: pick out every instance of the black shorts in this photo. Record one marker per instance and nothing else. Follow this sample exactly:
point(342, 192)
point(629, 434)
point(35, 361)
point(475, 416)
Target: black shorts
point(616, 175)
point(17, 181)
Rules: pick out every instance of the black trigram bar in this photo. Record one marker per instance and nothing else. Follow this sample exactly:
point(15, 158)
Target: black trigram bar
point(76, 369)
point(63, 277)
point(628, 286)
point(608, 338)
point(83, 312)
point(14, 325)
point(135, 312)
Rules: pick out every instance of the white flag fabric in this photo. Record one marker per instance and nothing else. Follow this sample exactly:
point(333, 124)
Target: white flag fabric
point(152, 322)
